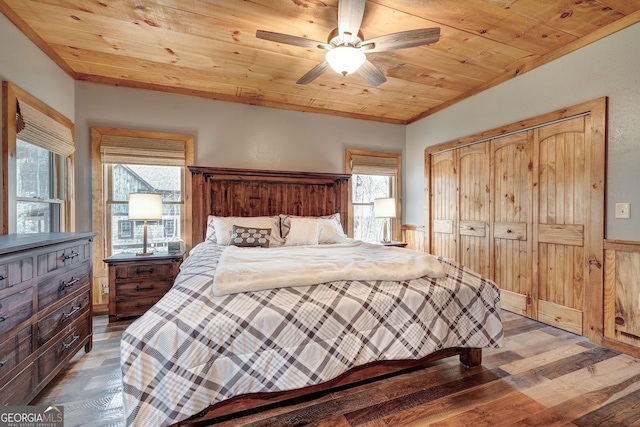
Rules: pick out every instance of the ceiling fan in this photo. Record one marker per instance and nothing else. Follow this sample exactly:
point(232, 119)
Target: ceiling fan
point(346, 46)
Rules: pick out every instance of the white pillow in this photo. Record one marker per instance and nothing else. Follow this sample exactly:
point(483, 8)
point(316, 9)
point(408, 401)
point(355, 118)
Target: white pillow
point(224, 226)
point(331, 231)
point(303, 233)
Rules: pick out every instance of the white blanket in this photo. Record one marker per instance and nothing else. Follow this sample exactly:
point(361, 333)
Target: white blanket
point(257, 269)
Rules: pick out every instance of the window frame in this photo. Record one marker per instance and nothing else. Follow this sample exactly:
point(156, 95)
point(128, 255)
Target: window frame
point(11, 95)
point(396, 184)
point(99, 177)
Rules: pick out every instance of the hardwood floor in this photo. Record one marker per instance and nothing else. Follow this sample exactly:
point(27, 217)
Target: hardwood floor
point(542, 377)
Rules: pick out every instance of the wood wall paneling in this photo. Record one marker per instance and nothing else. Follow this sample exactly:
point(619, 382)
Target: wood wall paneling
point(622, 296)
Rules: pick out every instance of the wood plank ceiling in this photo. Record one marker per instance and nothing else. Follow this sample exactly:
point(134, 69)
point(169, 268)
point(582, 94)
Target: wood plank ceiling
point(208, 48)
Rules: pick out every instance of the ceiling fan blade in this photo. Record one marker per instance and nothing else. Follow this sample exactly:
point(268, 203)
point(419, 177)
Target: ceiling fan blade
point(401, 40)
point(350, 13)
point(370, 73)
point(314, 73)
point(292, 40)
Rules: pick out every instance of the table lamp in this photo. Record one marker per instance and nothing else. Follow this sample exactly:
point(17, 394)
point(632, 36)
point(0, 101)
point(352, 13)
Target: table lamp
point(146, 207)
point(385, 208)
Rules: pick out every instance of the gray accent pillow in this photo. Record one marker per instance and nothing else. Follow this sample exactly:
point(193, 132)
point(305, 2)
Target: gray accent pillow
point(250, 237)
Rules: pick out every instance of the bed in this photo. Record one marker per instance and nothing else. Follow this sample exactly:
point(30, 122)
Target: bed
point(201, 353)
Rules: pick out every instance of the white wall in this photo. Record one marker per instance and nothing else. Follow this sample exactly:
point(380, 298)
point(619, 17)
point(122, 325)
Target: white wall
point(26, 66)
point(226, 134)
point(609, 67)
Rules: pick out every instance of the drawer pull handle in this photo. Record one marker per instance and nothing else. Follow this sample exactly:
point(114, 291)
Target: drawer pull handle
point(138, 305)
point(66, 346)
point(3, 318)
point(70, 256)
point(138, 271)
point(2, 277)
point(148, 288)
point(69, 283)
point(3, 362)
point(74, 310)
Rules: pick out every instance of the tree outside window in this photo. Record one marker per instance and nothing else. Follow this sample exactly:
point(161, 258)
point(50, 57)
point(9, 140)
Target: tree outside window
point(364, 189)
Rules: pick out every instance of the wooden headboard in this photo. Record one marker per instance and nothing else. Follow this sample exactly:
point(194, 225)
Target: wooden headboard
point(246, 192)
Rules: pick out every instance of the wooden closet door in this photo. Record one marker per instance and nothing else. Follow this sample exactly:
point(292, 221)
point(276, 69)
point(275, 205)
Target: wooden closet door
point(474, 185)
point(562, 200)
point(511, 201)
point(444, 201)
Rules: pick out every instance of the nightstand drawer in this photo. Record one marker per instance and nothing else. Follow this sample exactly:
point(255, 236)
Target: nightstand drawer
point(14, 350)
point(144, 271)
point(15, 309)
point(129, 307)
point(59, 286)
point(59, 319)
point(135, 290)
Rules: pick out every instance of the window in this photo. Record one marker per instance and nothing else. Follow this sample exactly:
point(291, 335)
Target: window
point(125, 229)
point(170, 227)
point(364, 189)
point(37, 165)
point(127, 236)
point(125, 161)
point(374, 175)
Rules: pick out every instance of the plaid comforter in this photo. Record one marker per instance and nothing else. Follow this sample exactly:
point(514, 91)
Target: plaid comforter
point(192, 349)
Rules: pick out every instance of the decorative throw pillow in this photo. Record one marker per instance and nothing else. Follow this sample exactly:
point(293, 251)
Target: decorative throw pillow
point(224, 226)
point(331, 227)
point(303, 233)
point(250, 237)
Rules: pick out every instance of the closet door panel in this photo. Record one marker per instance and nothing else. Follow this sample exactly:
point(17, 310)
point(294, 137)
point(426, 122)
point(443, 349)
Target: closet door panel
point(511, 216)
point(444, 204)
point(563, 197)
point(473, 213)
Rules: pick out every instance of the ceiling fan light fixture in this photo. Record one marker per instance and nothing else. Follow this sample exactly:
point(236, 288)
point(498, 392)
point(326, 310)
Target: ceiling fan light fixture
point(345, 59)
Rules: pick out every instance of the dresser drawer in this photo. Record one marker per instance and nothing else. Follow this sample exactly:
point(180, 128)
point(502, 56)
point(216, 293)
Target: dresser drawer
point(18, 390)
point(59, 319)
point(66, 346)
point(14, 350)
point(15, 309)
point(64, 256)
point(59, 286)
point(15, 272)
point(160, 270)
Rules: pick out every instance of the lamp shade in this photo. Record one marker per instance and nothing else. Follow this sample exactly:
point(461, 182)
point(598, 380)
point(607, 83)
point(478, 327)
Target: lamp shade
point(345, 59)
point(145, 206)
point(385, 207)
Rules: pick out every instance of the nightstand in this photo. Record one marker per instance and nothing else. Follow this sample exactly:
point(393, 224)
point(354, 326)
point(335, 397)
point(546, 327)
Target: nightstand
point(395, 243)
point(137, 282)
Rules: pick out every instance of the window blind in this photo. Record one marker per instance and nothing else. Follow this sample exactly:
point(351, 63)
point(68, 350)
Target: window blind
point(373, 165)
point(44, 131)
point(117, 149)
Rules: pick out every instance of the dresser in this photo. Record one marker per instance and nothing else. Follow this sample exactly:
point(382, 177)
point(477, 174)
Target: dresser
point(137, 282)
point(45, 309)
